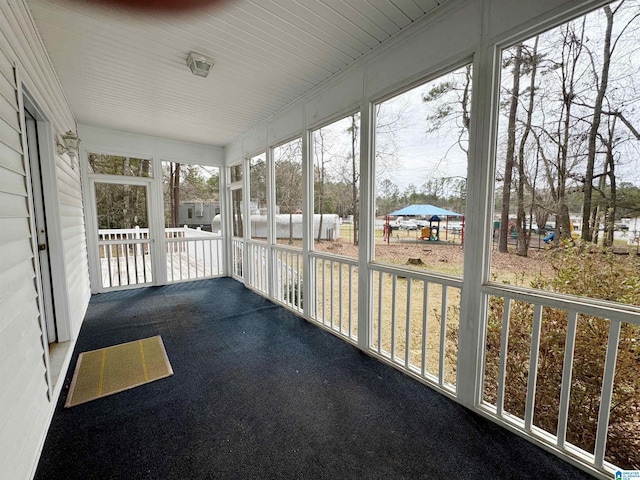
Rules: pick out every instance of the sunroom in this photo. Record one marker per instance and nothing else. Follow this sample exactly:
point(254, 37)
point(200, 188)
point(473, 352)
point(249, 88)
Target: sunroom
point(282, 168)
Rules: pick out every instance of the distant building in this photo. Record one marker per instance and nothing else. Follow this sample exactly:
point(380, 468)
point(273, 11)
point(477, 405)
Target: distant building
point(291, 225)
point(198, 214)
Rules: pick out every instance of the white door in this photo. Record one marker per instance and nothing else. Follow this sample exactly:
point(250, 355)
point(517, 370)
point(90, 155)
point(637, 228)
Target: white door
point(40, 225)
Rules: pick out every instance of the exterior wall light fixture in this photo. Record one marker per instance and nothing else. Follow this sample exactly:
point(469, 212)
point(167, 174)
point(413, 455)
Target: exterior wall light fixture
point(70, 145)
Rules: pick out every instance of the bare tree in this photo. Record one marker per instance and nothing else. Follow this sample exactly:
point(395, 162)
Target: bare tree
point(521, 225)
point(288, 173)
point(507, 176)
point(595, 125)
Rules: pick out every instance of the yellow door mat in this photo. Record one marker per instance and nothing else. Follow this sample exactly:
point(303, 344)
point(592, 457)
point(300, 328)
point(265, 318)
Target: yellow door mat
point(113, 369)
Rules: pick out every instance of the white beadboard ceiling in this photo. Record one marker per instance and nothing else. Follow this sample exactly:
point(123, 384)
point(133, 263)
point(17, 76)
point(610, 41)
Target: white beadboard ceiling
point(127, 71)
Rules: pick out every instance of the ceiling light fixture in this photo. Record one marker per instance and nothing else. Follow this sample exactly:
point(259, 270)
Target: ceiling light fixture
point(199, 64)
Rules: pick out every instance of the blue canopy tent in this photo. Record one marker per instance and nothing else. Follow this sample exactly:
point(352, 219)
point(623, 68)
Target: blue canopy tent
point(424, 211)
point(432, 213)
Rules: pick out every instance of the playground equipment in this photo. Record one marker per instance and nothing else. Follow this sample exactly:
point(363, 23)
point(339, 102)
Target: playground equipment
point(432, 232)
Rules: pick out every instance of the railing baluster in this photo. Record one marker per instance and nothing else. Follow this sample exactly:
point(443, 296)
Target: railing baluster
point(118, 258)
point(109, 255)
point(144, 261)
point(218, 270)
point(443, 335)
point(291, 278)
point(125, 252)
point(253, 266)
point(394, 283)
point(323, 293)
point(380, 277)
point(258, 259)
point(171, 247)
point(350, 313)
point(425, 324)
point(567, 366)
point(195, 256)
point(285, 271)
point(181, 247)
point(126, 247)
point(188, 260)
point(331, 299)
point(263, 280)
point(607, 391)
point(340, 299)
point(136, 255)
point(504, 345)
point(299, 282)
point(407, 345)
point(281, 277)
point(533, 367)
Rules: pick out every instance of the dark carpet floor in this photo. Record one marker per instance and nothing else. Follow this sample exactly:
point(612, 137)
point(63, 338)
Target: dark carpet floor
point(259, 393)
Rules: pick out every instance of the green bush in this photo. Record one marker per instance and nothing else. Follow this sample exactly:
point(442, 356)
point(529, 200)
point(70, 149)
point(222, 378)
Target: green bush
point(578, 272)
point(291, 293)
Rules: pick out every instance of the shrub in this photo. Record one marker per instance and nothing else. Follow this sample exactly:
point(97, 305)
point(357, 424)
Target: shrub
point(602, 276)
point(291, 293)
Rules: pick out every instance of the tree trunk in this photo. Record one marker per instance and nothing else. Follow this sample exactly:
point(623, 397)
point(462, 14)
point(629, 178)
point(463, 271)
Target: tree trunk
point(595, 125)
point(509, 159)
point(354, 179)
point(290, 228)
point(126, 207)
point(613, 199)
point(521, 223)
point(175, 207)
point(575, 44)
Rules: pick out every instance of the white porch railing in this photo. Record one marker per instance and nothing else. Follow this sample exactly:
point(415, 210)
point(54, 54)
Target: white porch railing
point(237, 257)
point(334, 292)
point(257, 273)
point(125, 256)
point(578, 322)
point(414, 323)
point(288, 268)
point(193, 254)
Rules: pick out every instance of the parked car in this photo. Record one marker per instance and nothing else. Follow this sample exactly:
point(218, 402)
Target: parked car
point(408, 225)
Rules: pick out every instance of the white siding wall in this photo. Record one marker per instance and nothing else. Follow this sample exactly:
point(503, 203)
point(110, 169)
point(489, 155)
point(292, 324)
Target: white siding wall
point(25, 409)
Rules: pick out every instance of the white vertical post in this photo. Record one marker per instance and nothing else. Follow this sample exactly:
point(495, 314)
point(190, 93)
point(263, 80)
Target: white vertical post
point(407, 340)
point(394, 285)
point(504, 346)
point(307, 223)
point(366, 225)
point(607, 391)
point(443, 335)
point(157, 247)
point(350, 300)
point(567, 368)
point(247, 268)
point(477, 253)
point(533, 367)
point(380, 303)
point(331, 272)
point(226, 213)
point(340, 297)
point(425, 323)
point(271, 223)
